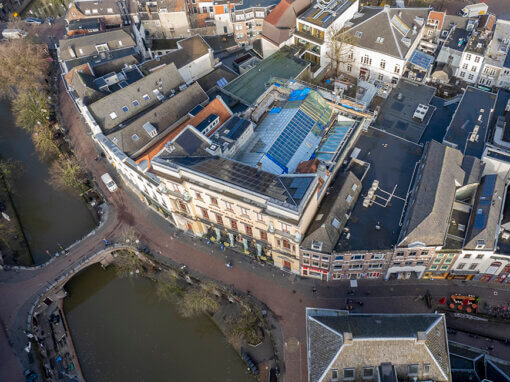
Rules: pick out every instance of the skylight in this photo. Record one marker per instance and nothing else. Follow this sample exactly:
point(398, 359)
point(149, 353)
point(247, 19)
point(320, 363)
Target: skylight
point(113, 115)
point(358, 33)
point(135, 137)
point(135, 103)
point(125, 109)
point(146, 97)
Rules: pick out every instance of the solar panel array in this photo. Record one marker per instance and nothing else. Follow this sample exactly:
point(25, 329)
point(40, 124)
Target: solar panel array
point(222, 82)
point(421, 59)
point(291, 138)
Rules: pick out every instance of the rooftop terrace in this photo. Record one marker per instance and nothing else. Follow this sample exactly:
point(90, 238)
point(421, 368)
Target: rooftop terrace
point(324, 13)
point(250, 86)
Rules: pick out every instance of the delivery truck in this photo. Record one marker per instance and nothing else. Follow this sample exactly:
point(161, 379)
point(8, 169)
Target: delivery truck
point(474, 10)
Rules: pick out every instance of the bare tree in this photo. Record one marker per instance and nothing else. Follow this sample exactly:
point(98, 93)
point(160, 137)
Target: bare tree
point(23, 65)
point(31, 108)
point(199, 300)
point(340, 49)
point(44, 142)
point(9, 170)
point(66, 173)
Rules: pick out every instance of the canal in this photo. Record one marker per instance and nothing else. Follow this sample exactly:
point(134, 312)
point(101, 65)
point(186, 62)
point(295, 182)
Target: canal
point(123, 332)
point(49, 217)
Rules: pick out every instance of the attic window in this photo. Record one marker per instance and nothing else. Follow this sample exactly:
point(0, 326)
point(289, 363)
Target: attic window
point(316, 245)
point(125, 109)
point(358, 34)
point(354, 187)
point(113, 115)
point(348, 199)
point(80, 50)
point(135, 137)
point(335, 223)
point(87, 11)
point(95, 11)
point(135, 103)
point(120, 42)
point(109, 10)
point(146, 97)
point(379, 40)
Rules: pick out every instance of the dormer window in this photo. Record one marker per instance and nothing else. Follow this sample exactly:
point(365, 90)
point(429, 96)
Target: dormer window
point(109, 10)
point(102, 48)
point(480, 244)
point(95, 11)
point(317, 245)
point(335, 223)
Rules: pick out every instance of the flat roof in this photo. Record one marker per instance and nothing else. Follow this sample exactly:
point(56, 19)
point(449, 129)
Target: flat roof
point(436, 128)
point(474, 112)
point(246, 4)
point(250, 86)
point(392, 162)
point(397, 112)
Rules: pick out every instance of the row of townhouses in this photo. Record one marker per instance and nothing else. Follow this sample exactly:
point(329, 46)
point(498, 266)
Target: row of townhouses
point(298, 175)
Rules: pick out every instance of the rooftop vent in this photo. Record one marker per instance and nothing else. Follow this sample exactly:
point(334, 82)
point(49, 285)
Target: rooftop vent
point(419, 20)
point(420, 112)
point(150, 129)
point(406, 41)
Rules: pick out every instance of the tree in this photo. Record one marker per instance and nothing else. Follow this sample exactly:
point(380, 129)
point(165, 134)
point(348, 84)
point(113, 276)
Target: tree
point(44, 142)
point(198, 300)
point(167, 286)
point(340, 49)
point(127, 263)
point(23, 65)
point(67, 174)
point(9, 170)
point(31, 108)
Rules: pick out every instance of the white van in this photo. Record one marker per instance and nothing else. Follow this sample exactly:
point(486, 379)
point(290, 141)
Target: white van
point(110, 184)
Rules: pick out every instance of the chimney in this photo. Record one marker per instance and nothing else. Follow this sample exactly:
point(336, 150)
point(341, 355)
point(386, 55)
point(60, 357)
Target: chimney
point(347, 338)
point(421, 337)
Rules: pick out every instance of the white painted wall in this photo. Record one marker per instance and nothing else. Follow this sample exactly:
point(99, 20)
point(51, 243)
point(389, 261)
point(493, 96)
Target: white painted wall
point(468, 69)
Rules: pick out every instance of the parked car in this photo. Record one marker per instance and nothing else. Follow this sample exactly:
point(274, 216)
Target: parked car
point(108, 181)
point(34, 20)
point(14, 33)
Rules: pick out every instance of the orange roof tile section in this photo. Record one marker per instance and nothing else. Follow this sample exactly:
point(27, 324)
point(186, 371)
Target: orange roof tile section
point(274, 16)
point(84, 68)
point(439, 16)
point(216, 106)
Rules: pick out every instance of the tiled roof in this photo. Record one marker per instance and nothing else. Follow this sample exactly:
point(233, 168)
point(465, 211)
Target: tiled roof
point(129, 101)
point(191, 49)
point(439, 16)
point(394, 27)
point(85, 45)
point(216, 106)
point(162, 118)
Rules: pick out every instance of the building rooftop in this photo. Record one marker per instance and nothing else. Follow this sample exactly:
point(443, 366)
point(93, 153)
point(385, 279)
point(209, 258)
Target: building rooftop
point(216, 106)
point(397, 29)
point(392, 162)
point(397, 112)
point(499, 45)
point(219, 77)
point(115, 65)
point(288, 190)
point(281, 21)
point(483, 224)
point(324, 13)
point(458, 39)
point(154, 124)
point(329, 331)
point(290, 134)
point(478, 43)
point(104, 7)
point(91, 44)
point(246, 4)
point(331, 217)
point(443, 171)
point(189, 49)
point(126, 103)
point(82, 86)
point(468, 129)
point(251, 85)
point(221, 43)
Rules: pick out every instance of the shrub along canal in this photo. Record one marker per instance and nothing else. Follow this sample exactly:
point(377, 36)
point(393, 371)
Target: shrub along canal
point(49, 217)
point(123, 332)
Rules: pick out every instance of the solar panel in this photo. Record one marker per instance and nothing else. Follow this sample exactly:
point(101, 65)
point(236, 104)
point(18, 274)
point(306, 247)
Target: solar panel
point(222, 82)
point(421, 59)
point(399, 25)
point(488, 185)
point(480, 220)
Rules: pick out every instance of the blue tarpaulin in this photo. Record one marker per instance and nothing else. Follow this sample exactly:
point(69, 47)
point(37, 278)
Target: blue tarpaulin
point(275, 110)
point(299, 95)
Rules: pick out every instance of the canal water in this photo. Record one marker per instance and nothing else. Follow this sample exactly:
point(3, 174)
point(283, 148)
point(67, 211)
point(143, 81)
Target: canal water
point(123, 332)
point(49, 217)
